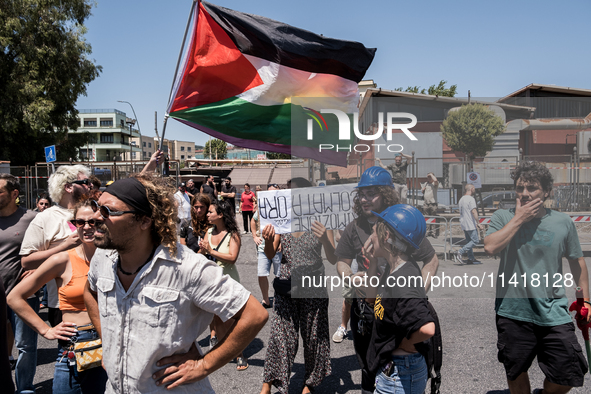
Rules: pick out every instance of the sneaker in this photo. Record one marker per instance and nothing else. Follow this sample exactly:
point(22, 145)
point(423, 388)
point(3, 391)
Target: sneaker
point(458, 257)
point(475, 262)
point(212, 342)
point(339, 335)
point(245, 232)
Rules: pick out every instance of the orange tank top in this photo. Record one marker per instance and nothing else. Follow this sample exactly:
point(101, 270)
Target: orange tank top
point(71, 295)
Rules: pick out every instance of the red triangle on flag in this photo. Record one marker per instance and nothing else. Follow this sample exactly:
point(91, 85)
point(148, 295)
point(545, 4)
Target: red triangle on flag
point(215, 70)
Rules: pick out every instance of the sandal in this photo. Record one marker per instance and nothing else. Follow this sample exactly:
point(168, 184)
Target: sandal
point(241, 363)
point(265, 305)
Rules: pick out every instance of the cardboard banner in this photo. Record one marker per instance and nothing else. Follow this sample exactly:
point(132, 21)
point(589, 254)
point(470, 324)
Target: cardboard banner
point(295, 210)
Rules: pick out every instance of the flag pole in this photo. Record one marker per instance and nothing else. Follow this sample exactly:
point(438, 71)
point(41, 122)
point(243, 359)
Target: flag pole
point(178, 62)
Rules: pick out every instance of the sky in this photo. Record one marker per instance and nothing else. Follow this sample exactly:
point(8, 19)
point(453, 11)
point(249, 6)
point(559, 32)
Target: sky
point(489, 48)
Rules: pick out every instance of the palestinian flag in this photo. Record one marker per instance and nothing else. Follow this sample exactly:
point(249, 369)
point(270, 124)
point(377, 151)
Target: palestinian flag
point(242, 76)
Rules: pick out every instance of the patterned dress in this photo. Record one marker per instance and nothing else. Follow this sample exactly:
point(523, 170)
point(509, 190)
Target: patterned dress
point(306, 316)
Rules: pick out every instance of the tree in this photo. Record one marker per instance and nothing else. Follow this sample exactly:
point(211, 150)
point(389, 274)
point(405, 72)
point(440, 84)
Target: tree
point(219, 149)
point(44, 68)
point(278, 156)
point(439, 90)
point(472, 130)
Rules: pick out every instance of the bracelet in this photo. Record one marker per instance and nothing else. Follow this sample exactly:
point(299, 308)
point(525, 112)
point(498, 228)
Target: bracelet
point(587, 302)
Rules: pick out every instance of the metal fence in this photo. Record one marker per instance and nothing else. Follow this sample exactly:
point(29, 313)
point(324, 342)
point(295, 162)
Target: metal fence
point(33, 179)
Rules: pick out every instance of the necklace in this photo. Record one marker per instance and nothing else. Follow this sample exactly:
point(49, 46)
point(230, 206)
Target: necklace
point(139, 268)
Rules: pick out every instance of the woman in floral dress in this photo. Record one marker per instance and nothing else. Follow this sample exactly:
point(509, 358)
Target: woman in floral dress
point(306, 316)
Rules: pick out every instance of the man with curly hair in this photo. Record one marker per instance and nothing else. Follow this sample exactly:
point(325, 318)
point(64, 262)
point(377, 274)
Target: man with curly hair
point(531, 301)
point(150, 297)
point(375, 192)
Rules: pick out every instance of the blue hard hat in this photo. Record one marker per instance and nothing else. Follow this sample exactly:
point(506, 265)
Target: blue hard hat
point(407, 221)
point(375, 176)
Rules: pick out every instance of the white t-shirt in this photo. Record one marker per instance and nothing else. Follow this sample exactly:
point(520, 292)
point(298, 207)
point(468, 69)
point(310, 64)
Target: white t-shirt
point(184, 205)
point(49, 229)
point(467, 204)
point(430, 193)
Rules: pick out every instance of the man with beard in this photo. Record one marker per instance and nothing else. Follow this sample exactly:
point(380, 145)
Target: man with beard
point(209, 188)
point(229, 194)
point(398, 170)
point(375, 192)
point(150, 297)
point(13, 224)
point(532, 315)
point(51, 231)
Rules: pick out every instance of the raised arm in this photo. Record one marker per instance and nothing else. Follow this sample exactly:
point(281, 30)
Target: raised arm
point(498, 240)
point(153, 163)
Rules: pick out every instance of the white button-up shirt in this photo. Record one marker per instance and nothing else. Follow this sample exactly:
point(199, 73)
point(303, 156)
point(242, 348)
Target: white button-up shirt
point(169, 304)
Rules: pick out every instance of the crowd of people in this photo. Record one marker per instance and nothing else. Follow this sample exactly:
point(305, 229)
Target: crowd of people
point(135, 273)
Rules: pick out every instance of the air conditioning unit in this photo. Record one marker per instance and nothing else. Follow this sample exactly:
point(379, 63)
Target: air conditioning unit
point(584, 142)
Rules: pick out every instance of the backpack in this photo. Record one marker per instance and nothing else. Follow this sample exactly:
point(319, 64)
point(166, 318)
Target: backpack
point(434, 356)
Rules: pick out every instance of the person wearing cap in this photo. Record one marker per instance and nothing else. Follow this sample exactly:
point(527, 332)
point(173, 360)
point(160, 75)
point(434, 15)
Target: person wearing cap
point(150, 297)
point(396, 353)
point(375, 192)
point(184, 206)
point(398, 170)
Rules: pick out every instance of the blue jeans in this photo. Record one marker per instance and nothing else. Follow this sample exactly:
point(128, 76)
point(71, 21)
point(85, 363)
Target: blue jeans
point(25, 339)
point(409, 376)
point(471, 239)
point(67, 380)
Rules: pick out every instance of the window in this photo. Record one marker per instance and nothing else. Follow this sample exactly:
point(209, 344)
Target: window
point(149, 144)
point(182, 148)
point(90, 122)
point(106, 138)
point(133, 155)
point(144, 144)
point(182, 157)
point(107, 122)
point(188, 149)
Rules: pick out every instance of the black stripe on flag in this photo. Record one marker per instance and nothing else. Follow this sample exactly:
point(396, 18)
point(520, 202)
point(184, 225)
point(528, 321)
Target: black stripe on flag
point(292, 47)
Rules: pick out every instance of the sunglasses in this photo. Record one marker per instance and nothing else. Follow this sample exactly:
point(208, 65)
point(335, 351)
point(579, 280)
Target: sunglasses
point(82, 182)
point(106, 212)
point(81, 222)
point(273, 185)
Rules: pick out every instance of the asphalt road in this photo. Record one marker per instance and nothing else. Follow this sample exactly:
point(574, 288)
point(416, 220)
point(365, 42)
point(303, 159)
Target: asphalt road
point(469, 337)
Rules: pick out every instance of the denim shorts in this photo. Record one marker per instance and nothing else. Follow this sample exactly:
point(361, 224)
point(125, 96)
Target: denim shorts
point(67, 379)
point(264, 264)
point(408, 375)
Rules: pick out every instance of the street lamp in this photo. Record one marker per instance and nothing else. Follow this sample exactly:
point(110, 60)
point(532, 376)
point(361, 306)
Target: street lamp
point(138, 129)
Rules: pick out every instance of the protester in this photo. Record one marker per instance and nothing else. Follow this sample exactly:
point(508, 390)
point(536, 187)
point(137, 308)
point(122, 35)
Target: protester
point(149, 344)
point(402, 317)
point(429, 190)
point(5, 374)
point(184, 206)
point(532, 316)
point(43, 202)
point(209, 188)
point(263, 262)
point(14, 221)
point(194, 231)
point(305, 316)
point(94, 191)
point(375, 193)
point(191, 189)
point(247, 203)
point(51, 231)
point(70, 270)
point(398, 170)
point(228, 194)
point(470, 224)
point(224, 234)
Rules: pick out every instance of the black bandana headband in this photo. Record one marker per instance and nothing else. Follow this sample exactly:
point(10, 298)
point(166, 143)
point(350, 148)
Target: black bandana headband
point(133, 193)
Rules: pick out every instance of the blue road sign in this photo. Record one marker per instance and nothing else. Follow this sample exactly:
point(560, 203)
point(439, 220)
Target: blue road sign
point(50, 154)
